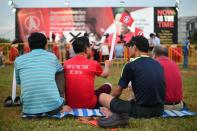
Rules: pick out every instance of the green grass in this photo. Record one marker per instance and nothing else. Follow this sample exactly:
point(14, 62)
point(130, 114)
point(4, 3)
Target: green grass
point(10, 117)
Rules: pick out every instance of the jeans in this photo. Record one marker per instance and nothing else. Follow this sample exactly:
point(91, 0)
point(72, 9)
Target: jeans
point(185, 61)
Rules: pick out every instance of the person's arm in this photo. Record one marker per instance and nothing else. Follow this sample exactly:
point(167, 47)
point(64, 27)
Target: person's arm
point(105, 72)
point(123, 82)
point(59, 78)
point(117, 92)
point(59, 67)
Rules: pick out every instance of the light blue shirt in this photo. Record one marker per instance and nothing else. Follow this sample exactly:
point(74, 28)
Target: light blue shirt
point(35, 72)
point(186, 44)
point(119, 51)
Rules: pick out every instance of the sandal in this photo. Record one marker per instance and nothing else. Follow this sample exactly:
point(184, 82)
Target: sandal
point(17, 101)
point(8, 101)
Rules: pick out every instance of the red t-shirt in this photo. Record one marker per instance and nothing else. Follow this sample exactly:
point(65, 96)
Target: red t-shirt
point(173, 80)
point(26, 48)
point(13, 53)
point(80, 75)
point(55, 50)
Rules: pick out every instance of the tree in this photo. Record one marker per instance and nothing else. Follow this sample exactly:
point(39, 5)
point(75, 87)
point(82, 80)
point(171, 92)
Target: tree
point(3, 40)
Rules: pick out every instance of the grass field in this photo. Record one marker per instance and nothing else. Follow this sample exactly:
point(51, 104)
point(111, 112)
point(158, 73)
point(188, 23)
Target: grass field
point(10, 117)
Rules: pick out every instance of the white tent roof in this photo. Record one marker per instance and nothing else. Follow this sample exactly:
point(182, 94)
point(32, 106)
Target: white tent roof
point(91, 3)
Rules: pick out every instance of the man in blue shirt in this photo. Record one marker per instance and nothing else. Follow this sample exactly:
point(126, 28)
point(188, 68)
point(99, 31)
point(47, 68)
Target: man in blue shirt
point(119, 50)
point(35, 73)
point(186, 44)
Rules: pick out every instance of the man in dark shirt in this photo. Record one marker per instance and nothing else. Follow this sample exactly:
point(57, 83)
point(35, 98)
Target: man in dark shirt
point(147, 78)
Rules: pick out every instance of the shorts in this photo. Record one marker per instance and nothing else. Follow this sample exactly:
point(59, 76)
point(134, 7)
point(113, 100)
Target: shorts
point(53, 112)
point(134, 110)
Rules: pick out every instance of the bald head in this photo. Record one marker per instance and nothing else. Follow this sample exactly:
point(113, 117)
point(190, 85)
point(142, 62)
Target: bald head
point(160, 51)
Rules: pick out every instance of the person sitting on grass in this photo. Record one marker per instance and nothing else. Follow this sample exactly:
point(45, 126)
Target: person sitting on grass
point(35, 73)
point(80, 75)
point(174, 90)
point(147, 79)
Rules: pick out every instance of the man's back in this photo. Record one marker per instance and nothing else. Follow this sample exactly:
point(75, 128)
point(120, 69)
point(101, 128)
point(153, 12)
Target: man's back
point(173, 80)
point(147, 80)
point(157, 40)
point(35, 72)
point(80, 75)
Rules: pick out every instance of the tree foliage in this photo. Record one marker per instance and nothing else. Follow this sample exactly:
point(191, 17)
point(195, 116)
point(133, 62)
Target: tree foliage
point(4, 40)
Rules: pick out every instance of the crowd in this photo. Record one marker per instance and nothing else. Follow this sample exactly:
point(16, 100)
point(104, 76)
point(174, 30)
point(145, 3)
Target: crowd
point(48, 87)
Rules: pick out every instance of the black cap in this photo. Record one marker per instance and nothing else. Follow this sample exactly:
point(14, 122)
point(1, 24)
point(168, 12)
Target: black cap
point(141, 43)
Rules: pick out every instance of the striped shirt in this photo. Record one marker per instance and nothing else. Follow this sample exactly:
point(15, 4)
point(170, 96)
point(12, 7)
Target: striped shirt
point(35, 73)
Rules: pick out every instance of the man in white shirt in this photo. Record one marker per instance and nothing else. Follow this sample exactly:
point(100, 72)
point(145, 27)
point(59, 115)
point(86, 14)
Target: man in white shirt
point(153, 41)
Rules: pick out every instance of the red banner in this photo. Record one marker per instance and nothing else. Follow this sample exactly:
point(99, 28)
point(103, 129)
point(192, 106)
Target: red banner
point(72, 21)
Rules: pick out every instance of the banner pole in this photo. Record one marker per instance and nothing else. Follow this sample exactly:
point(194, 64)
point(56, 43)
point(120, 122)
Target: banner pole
point(113, 44)
point(14, 86)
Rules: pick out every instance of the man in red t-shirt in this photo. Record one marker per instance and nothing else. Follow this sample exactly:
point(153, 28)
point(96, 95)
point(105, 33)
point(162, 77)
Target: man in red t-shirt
point(13, 53)
point(80, 74)
point(173, 81)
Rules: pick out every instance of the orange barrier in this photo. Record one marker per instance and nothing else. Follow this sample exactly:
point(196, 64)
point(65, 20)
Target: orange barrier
point(5, 49)
point(10, 52)
point(193, 55)
point(175, 53)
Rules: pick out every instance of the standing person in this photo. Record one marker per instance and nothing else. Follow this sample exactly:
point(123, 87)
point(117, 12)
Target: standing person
point(119, 50)
point(13, 53)
point(53, 37)
point(105, 52)
point(174, 89)
point(153, 41)
point(35, 73)
point(96, 51)
point(157, 39)
point(186, 45)
point(80, 74)
point(146, 76)
point(1, 56)
point(121, 29)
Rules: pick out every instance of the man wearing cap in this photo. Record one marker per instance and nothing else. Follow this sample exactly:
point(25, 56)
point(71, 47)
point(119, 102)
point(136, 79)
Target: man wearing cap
point(147, 78)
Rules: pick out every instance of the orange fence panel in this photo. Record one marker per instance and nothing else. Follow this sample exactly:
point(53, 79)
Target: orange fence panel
point(9, 52)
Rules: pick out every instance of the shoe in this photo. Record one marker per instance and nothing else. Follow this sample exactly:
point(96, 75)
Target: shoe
point(8, 101)
point(115, 120)
point(17, 101)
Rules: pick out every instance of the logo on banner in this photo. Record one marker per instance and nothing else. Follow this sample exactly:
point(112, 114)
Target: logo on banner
point(126, 19)
point(32, 23)
point(138, 31)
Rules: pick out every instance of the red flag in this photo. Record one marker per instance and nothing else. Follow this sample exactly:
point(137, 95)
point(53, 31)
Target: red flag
point(126, 19)
point(138, 31)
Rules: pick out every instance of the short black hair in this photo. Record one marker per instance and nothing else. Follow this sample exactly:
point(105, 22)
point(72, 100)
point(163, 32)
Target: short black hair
point(160, 51)
point(80, 44)
point(152, 34)
point(37, 41)
point(141, 43)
